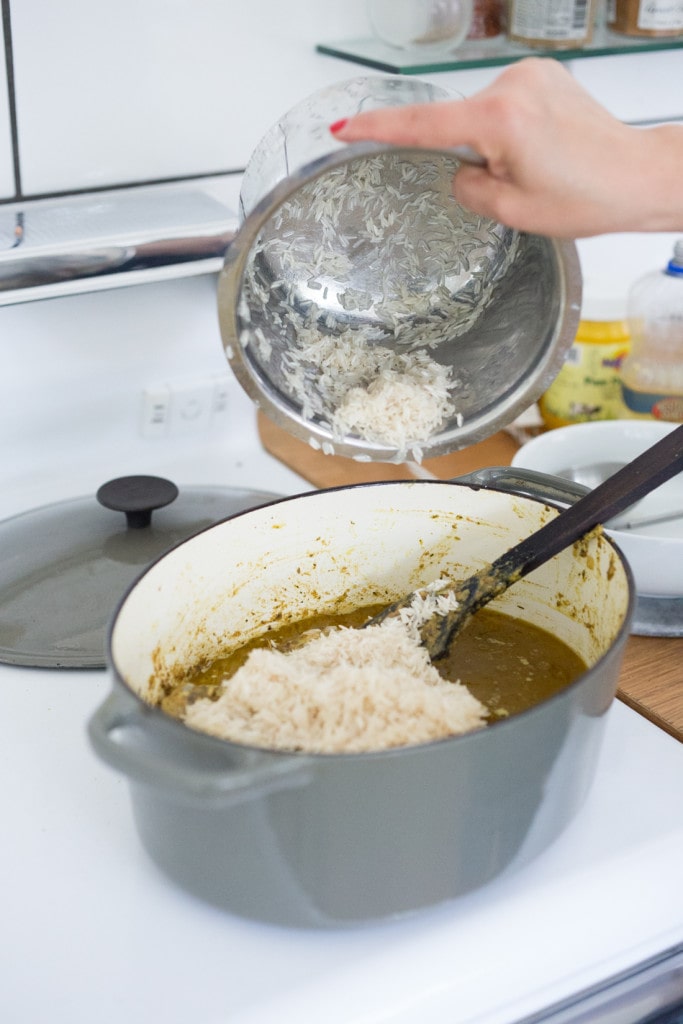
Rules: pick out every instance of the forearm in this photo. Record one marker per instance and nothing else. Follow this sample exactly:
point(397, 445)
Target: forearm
point(658, 180)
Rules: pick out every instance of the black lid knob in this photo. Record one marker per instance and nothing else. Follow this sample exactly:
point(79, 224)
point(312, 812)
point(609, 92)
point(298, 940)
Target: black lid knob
point(137, 496)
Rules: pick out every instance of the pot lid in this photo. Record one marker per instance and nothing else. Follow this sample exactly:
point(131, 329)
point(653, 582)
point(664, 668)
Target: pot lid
point(66, 565)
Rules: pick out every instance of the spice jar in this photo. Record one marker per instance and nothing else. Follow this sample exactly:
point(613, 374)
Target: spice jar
point(645, 17)
point(561, 25)
point(488, 19)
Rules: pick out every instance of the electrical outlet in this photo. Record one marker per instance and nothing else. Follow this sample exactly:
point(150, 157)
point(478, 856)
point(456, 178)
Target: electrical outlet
point(190, 409)
point(221, 397)
point(156, 401)
point(184, 407)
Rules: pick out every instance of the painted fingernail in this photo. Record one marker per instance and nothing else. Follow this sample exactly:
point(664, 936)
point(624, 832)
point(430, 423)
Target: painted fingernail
point(338, 125)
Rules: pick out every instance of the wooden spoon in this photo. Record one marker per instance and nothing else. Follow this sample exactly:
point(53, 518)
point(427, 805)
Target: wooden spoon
point(651, 469)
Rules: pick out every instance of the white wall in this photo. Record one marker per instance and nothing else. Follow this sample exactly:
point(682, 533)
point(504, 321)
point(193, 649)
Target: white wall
point(112, 93)
point(137, 90)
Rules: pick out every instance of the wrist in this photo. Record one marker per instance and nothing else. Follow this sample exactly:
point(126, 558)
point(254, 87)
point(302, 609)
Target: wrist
point(658, 178)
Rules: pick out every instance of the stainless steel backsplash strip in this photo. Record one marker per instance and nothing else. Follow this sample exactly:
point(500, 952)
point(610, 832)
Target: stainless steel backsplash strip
point(102, 240)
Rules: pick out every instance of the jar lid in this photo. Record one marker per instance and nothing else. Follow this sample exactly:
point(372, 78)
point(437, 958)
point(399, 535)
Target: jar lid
point(67, 565)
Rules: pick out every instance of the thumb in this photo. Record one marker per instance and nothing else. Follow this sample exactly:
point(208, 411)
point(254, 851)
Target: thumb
point(478, 190)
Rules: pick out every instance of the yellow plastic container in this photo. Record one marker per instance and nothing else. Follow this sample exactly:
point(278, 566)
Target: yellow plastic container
point(588, 387)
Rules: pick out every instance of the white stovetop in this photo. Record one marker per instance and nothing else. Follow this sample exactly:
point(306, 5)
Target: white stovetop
point(90, 931)
point(93, 932)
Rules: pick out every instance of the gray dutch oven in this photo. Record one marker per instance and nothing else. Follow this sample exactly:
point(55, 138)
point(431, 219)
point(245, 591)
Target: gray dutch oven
point(319, 840)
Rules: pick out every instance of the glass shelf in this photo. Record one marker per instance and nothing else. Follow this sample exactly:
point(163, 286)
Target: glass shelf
point(482, 53)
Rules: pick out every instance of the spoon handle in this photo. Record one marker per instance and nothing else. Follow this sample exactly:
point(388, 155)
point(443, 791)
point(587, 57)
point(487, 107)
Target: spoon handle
point(636, 524)
point(654, 467)
point(633, 481)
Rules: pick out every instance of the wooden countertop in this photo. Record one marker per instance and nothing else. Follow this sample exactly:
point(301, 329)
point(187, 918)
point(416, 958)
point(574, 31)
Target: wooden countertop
point(651, 680)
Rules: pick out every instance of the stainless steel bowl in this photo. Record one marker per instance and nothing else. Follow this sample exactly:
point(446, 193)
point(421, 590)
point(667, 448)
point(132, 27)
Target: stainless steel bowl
point(496, 309)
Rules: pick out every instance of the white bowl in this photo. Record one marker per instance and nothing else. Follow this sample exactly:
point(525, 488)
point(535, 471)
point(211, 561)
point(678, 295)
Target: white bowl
point(655, 552)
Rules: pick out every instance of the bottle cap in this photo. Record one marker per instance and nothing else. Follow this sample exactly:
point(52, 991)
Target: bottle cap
point(675, 264)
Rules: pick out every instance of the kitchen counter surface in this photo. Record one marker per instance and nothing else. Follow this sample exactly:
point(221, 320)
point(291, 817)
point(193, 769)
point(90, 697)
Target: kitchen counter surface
point(657, 694)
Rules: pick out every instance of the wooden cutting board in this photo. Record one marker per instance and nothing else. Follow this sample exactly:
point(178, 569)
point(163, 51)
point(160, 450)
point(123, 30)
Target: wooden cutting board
point(651, 680)
point(336, 470)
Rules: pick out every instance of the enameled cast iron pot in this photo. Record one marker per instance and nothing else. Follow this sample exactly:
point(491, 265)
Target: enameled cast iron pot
point(312, 839)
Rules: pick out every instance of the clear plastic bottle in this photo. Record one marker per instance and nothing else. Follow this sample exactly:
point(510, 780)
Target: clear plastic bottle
point(652, 374)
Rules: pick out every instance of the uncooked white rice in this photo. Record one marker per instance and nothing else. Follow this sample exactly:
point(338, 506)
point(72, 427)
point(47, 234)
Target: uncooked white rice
point(436, 265)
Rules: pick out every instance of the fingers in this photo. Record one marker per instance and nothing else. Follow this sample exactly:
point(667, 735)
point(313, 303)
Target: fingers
point(523, 209)
point(475, 189)
point(542, 136)
point(428, 125)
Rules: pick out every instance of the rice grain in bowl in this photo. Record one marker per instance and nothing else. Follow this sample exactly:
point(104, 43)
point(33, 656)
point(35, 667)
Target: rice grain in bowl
point(322, 839)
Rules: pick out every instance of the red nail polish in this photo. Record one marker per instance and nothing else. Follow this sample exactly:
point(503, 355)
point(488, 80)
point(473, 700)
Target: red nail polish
point(338, 125)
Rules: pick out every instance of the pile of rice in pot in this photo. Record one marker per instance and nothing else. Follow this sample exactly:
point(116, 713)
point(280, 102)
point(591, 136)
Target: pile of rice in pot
point(345, 691)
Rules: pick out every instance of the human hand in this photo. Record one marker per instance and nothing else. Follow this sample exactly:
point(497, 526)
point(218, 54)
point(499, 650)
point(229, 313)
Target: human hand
point(557, 162)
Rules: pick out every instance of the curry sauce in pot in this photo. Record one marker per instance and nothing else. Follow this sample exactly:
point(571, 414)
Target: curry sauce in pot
point(506, 663)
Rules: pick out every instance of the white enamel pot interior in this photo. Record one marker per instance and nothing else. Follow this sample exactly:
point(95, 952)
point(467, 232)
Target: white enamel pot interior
point(314, 839)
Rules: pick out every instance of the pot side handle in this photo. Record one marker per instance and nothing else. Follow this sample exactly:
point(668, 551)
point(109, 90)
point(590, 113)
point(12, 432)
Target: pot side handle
point(116, 721)
point(527, 483)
